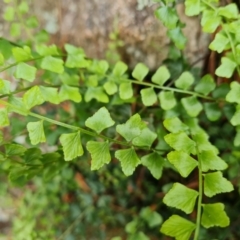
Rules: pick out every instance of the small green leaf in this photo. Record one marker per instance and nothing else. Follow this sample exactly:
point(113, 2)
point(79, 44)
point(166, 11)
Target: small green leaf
point(50, 157)
point(168, 16)
point(33, 97)
point(149, 96)
point(6, 48)
point(36, 132)
point(140, 71)
point(77, 60)
point(50, 94)
point(237, 48)
point(234, 94)
point(22, 54)
point(210, 161)
point(4, 121)
point(110, 87)
point(201, 139)
point(214, 215)
point(4, 86)
point(69, 93)
point(1, 84)
point(45, 50)
point(72, 80)
point(167, 100)
point(102, 67)
point(154, 162)
point(205, 85)
point(192, 106)
point(72, 146)
point(17, 105)
point(210, 21)
point(23, 7)
point(145, 139)
point(212, 111)
point(42, 36)
point(182, 162)
point(125, 90)
point(219, 43)
point(32, 154)
point(185, 80)
point(152, 218)
point(192, 7)
point(100, 154)
point(76, 57)
point(52, 171)
point(129, 160)
point(229, 11)
point(17, 176)
point(1, 59)
point(100, 120)
point(215, 183)
point(181, 142)
point(226, 68)
point(194, 127)
point(161, 75)
point(175, 125)
point(233, 27)
point(52, 64)
point(14, 149)
point(178, 227)
point(91, 81)
point(139, 236)
point(26, 72)
point(174, 54)
point(32, 22)
point(235, 120)
point(181, 198)
point(73, 50)
point(9, 14)
point(1, 138)
point(237, 138)
point(119, 69)
point(96, 93)
point(132, 128)
point(15, 29)
point(177, 37)
point(131, 227)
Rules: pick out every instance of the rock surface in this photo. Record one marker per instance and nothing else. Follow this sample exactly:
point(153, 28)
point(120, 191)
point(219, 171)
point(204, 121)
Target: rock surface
point(88, 23)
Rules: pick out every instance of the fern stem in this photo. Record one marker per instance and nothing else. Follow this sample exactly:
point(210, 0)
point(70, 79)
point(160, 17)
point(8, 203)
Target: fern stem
point(199, 206)
point(15, 92)
point(28, 60)
point(170, 89)
point(16, 63)
point(232, 47)
point(82, 130)
point(227, 33)
point(55, 122)
point(209, 5)
point(131, 81)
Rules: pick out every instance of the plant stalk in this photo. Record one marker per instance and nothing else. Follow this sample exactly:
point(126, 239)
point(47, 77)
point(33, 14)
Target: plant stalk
point(170, 89)
point(199, 206)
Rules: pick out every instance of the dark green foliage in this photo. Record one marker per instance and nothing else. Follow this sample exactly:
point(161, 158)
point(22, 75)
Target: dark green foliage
point(173, 140)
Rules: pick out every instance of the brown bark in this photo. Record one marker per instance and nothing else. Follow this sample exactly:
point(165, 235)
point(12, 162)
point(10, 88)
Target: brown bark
point(88, 23)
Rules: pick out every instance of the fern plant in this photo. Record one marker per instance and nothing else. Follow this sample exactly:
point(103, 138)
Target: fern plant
point(48, 75)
